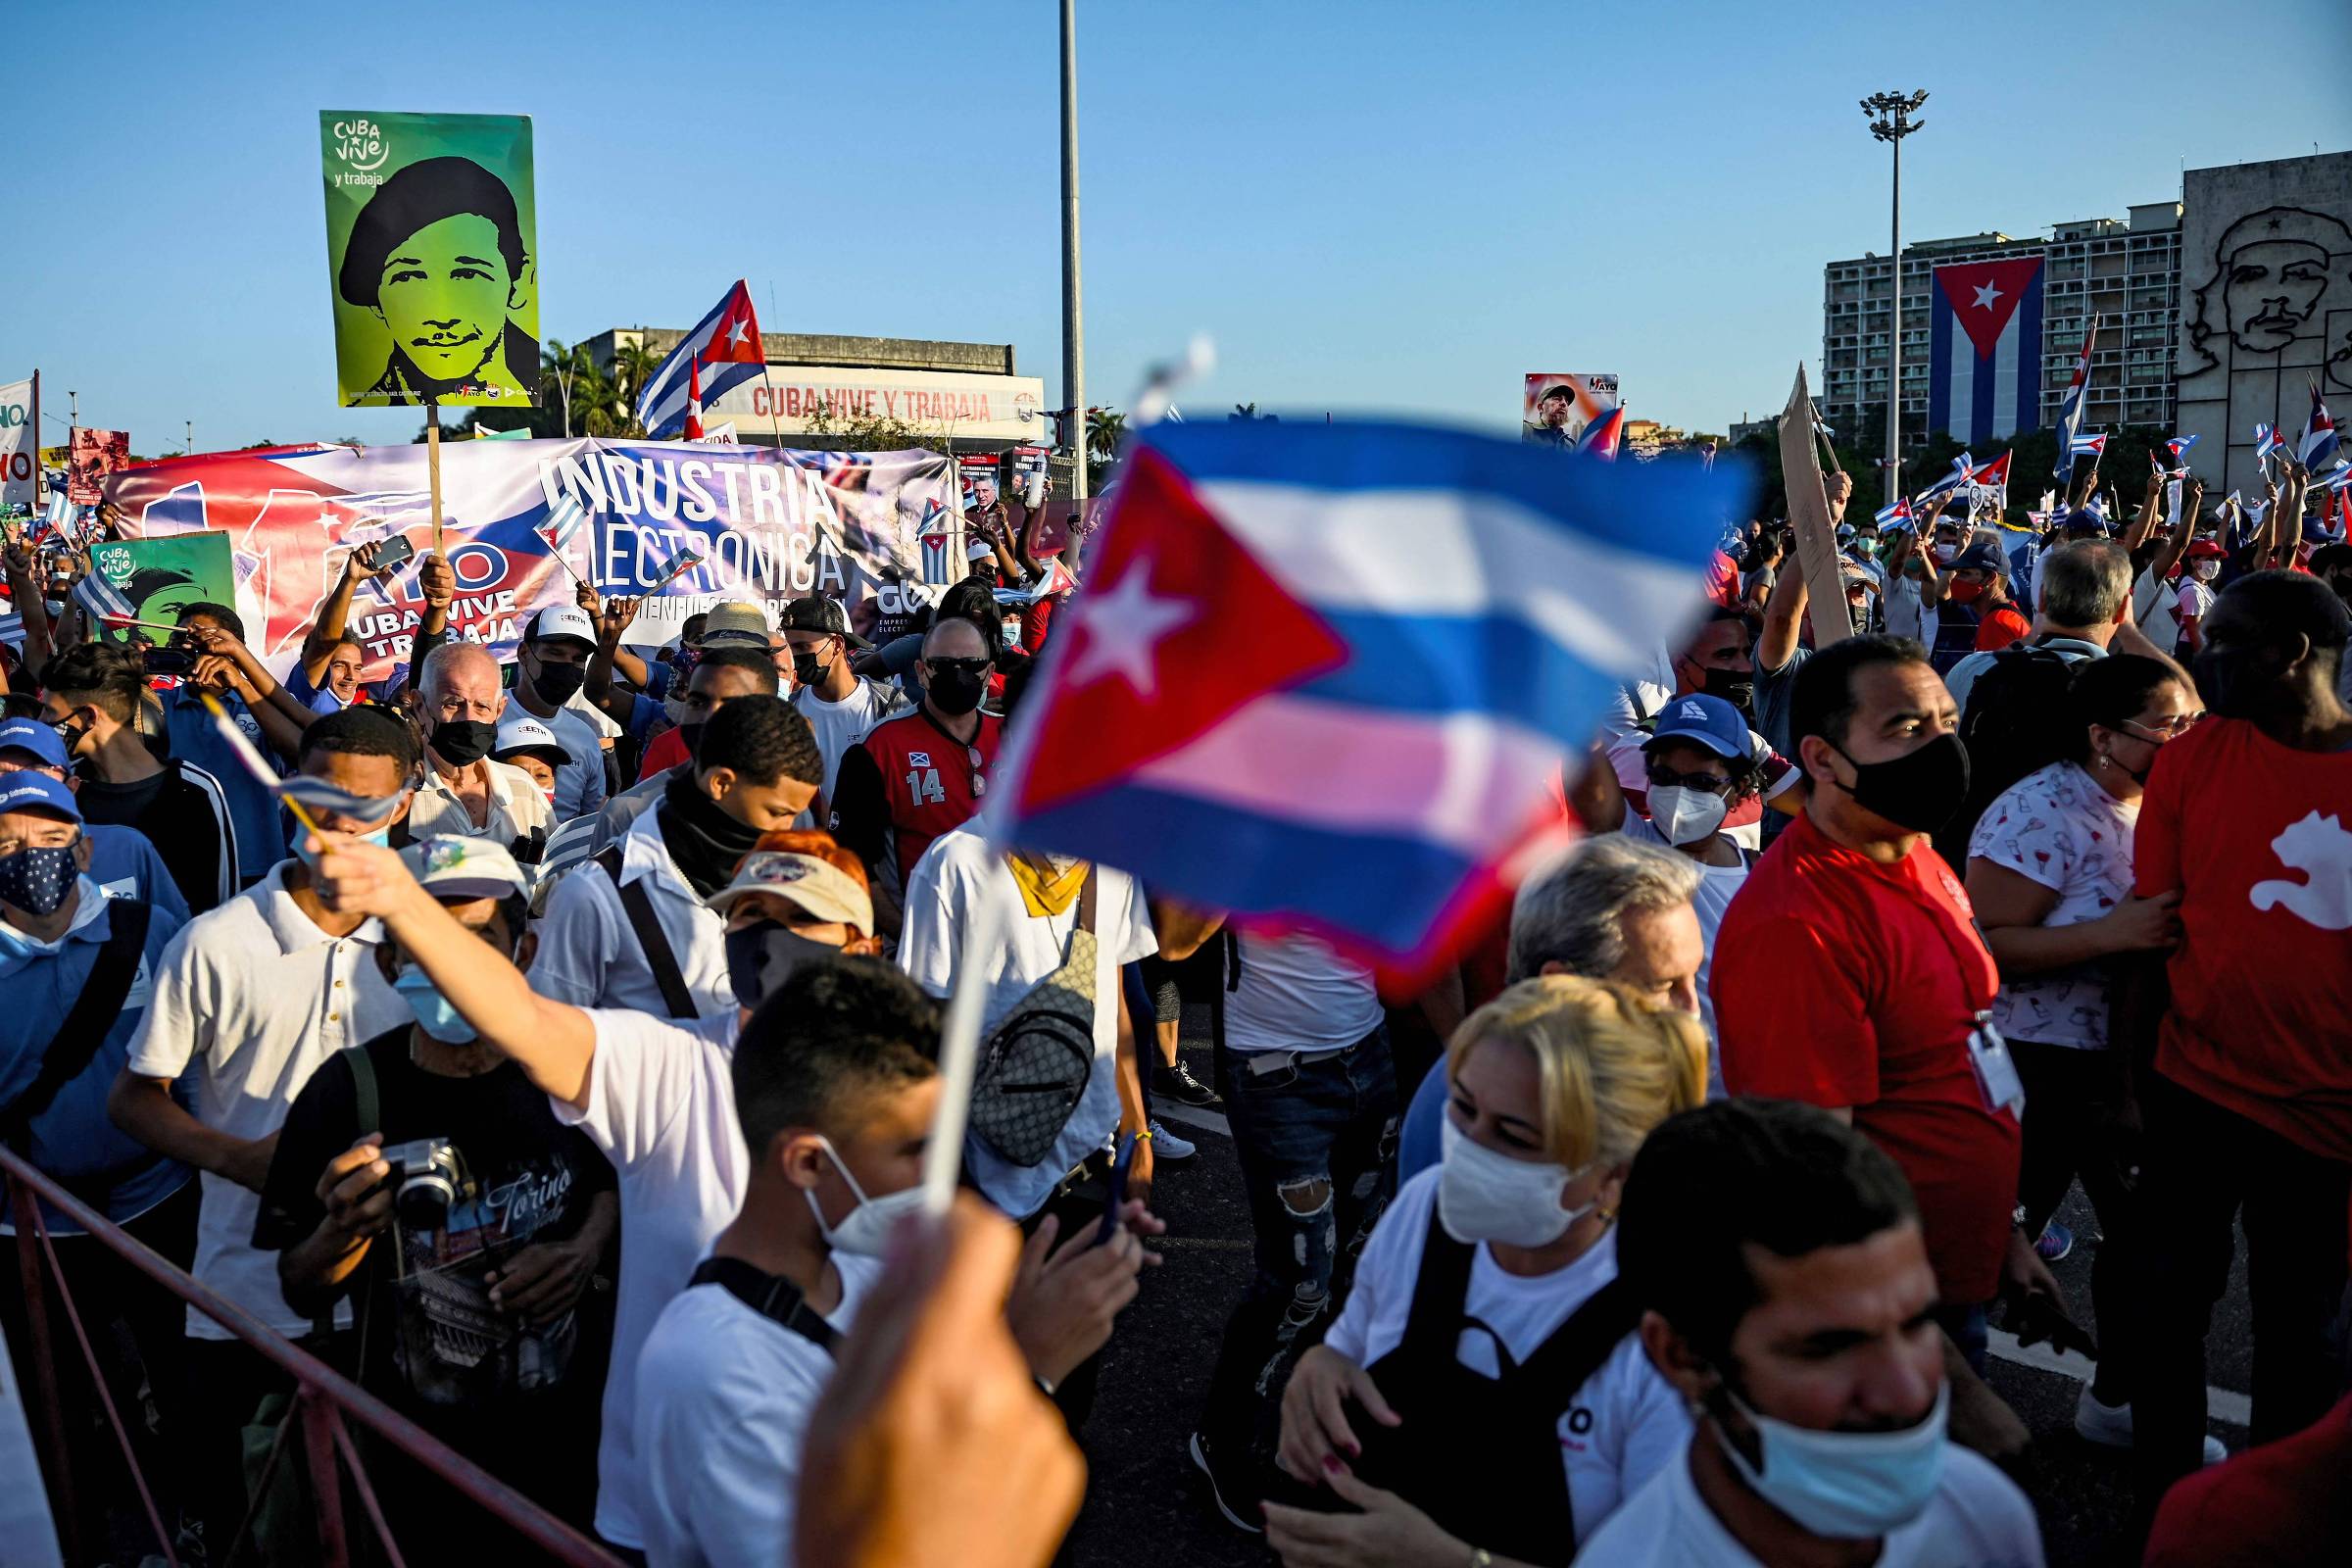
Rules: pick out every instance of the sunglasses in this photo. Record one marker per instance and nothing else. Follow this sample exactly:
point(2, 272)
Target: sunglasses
point(2171, 728)
point(964, 667)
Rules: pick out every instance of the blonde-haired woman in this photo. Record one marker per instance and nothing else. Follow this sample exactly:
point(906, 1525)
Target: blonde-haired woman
point(1480, 1399)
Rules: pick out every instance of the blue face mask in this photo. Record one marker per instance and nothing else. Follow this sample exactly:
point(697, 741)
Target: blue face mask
point(381, 838)
point(1853, 1486)
point(434, 1015)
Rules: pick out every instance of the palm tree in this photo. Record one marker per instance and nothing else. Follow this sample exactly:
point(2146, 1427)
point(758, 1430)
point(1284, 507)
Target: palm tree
point(563, 369)
point(1105, 429)
point(1242, 414)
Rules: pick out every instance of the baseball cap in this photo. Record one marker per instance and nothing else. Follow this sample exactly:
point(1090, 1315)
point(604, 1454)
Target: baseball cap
point(736, 624)
point(518, 731)
point(820, 615)
point(1711, 722)
point(561, 620)
point(1983, 558)
point(2200, 549)
point(38, 791)
point(33, 736)
point(824, 890)
point(452, 867)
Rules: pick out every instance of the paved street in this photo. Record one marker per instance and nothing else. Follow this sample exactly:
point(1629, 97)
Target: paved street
point(1150, 1506)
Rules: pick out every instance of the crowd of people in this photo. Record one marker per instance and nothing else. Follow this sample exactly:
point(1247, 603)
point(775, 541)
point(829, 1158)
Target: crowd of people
point(558, 1062)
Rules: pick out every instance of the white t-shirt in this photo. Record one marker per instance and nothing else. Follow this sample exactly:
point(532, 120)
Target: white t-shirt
point(516, 807)
point(252, 998)
point(662, 1107)
point(1296, 994)
point(1632, 1420)
point(2156, 609)
point(2056, 828)
point(1907, 616)
point(956, 875)
point(580, 782)
point(1977, 1519)
point(843, 724)
point(590, 955)
point(1718, 885)
point(724, 1401)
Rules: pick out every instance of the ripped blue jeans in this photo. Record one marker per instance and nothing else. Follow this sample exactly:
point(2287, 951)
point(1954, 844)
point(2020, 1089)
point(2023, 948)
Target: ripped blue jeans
point(1317, 1145)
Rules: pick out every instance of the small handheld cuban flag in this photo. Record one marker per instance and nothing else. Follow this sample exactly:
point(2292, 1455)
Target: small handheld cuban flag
point(2339, 478)
point(308, 798)
point(1897, 517)
point(2093, 447)
point(563, 520)
point(2178, 446)
point(684, 562)
point(54, 516)
point(103, 601)
point(2266, 446)
point(2317, 442)
point(1962, 467)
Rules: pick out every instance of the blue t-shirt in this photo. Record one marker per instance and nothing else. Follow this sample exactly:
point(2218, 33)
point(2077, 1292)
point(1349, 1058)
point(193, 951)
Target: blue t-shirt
point(125, 865)
point(74, 1140)
point(298, 686)
point(253, 809)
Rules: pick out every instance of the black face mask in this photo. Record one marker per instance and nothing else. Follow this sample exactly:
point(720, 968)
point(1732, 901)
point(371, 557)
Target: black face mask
point(955, 693)
point(464, 742)
point(701, 838)
point(762, 958)
point(1919, 790)
point(1734, 687)
point(692, 737)
point(555, 683)
point(807, 670)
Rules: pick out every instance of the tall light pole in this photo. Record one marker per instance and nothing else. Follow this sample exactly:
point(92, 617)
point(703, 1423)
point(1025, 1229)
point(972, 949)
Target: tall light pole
point(1073, 325)
point(1889, 115)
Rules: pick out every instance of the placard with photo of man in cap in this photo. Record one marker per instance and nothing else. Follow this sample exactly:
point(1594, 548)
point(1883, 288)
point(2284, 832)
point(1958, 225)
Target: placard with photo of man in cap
point(431, 250)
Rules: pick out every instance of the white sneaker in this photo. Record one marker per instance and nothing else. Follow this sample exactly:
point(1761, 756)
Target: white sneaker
point(1167, 1149)
point(2110, 1427)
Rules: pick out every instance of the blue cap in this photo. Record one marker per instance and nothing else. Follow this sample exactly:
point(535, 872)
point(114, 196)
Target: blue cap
point(1711, 722)
point(1983, 558)
point(31, 735)
point(36, 792)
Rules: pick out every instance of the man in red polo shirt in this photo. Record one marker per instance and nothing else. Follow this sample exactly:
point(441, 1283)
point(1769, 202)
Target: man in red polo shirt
point(916, 777)
point(1848, 972)
point(2248, 1106)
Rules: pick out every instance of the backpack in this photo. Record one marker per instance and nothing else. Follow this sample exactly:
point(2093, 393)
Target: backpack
point(2017, 722)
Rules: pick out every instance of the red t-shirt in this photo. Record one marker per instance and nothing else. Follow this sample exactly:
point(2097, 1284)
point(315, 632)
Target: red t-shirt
point(1723, 581)
point(1838, 981)
point(1999, 628)
point(2253, 834)
point(927, 778)
point(2280, 1505)
point(665, 752)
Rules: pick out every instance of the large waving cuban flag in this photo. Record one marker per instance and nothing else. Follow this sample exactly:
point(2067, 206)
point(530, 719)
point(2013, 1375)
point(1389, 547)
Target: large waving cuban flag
point(1985, 349)
point(723, 351)
point(1327, 676)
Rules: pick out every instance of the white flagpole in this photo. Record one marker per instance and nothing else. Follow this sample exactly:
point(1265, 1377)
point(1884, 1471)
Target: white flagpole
point(959, 1043)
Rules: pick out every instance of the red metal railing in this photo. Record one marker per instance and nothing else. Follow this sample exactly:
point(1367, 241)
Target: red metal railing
point(323, 1400)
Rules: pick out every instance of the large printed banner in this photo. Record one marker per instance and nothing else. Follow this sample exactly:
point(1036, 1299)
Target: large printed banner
point(20, 444)
point(433, 256)
point(751, 523)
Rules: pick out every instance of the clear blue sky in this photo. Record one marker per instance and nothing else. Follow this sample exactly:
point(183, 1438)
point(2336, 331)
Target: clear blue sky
point(1371, 206)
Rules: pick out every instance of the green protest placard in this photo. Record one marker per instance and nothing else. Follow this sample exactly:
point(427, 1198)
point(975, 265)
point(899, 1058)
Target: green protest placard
point(432, 257)
point(162, 577)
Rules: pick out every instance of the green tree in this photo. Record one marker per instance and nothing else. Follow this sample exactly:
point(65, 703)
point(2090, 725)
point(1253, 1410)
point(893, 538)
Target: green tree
point(565, 372)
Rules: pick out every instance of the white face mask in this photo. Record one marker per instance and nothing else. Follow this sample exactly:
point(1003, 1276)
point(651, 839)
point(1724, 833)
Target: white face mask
point(866, 1229)
point(2205, 570)
point(1486, 1197)
point(1848, 1485)
point(675, 707)
point(1687, 816)
point(1945, 553)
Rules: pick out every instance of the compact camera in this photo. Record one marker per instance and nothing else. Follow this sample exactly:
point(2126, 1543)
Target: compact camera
point(426, 1177)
